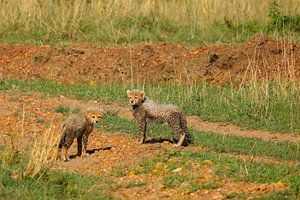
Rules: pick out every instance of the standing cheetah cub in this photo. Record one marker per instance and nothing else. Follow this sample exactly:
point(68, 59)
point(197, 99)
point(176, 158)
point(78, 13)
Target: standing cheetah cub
point(78, 126)
point(145, 110)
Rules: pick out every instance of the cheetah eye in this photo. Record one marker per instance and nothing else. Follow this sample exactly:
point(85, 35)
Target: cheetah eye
point(99, 116)
point(93, 117)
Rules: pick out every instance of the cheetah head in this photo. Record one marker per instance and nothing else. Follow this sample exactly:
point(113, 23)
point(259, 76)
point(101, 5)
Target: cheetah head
point(135, 97)
point(94, 115)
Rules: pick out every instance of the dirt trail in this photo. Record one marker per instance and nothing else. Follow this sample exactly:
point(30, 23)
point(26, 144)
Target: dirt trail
point(228, 129)
point(108, 151)
point(12, 104)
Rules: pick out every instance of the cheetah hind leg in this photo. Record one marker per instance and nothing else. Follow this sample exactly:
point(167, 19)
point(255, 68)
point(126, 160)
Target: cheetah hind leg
point(178, 130)
point(188, 137)
point(181, 140)
point(64, 153)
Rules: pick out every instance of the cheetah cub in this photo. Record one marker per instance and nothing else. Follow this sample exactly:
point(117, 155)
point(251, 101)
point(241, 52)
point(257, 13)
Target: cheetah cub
point(145, 110)
point(78, 126)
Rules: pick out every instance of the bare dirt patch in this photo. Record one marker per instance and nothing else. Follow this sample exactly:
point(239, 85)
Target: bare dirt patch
point(108, 151)
point(259, 58)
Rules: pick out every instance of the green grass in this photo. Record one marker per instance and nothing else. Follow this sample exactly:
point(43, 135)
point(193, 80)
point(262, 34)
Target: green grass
point(269, 106)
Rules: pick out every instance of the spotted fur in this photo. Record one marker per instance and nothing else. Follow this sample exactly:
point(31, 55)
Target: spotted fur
point(145, 110)
point(78, 126)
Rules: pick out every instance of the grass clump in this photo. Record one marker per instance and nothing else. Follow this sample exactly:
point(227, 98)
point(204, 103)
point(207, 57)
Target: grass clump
point(65, 110)
point(135, 184)
point(172, 181)
point(43, 154)
point(278, 21)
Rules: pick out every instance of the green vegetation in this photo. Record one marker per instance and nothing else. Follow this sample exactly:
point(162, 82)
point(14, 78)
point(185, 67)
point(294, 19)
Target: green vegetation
point(271, 106)
point(131, 21)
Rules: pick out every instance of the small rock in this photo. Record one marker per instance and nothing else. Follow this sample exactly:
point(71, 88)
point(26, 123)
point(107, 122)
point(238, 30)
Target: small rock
point(179, 169)
point(207, 161)
point(184, 185)
point(14, 176)
point(158, 186)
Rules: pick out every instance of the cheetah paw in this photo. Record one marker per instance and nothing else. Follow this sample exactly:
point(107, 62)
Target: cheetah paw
point(177, 145)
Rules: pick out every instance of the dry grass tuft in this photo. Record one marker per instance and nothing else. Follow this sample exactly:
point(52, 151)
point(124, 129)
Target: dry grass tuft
point(43, 153)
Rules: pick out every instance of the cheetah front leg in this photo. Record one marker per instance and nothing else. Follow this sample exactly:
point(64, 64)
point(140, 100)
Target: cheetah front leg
point(84, 143)
point(142, 130)
point(79, 145)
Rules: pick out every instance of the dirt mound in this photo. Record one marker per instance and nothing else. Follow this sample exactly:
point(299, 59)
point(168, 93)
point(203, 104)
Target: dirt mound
point(259, 58)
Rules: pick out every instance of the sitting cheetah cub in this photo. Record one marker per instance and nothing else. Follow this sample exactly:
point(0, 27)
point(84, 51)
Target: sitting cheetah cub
point(78, 126)
point(145, 110)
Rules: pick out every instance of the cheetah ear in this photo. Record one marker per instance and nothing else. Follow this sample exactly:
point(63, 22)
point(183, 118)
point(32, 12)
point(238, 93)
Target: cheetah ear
point(128, 91)
point(102, 110)
point(142, 94)
point(87, 112)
